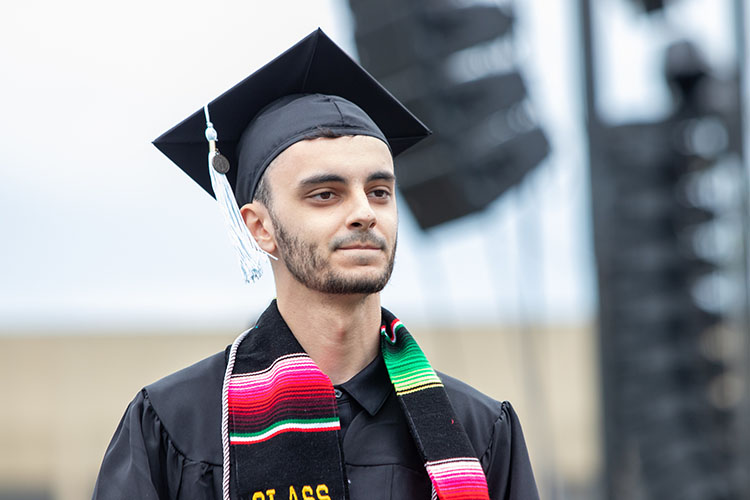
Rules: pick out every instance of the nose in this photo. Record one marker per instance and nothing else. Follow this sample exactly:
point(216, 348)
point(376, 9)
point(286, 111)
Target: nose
point(362, 216)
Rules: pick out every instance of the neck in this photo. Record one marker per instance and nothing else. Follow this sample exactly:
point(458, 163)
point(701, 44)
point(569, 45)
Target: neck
point(341, 333)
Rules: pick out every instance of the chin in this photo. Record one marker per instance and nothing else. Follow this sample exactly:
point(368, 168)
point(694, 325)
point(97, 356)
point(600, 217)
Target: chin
point(369, 272)
point(351, 282)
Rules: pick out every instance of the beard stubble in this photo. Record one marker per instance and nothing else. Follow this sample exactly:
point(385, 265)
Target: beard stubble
point(305, 262)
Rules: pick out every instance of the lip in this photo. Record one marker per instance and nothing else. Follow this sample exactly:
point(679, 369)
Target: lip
point(359, 247)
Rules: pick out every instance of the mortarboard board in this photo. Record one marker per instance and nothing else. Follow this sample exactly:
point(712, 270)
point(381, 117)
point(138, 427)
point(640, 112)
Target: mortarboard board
point(315, 65)
point(312, 84)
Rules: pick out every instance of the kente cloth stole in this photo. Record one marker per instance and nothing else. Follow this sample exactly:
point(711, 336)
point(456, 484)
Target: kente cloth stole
point(281, 427)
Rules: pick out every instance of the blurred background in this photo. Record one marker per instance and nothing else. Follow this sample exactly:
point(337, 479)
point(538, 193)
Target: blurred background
point(573, 236)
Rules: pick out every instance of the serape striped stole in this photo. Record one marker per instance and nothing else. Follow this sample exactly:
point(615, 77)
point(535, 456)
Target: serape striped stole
point(282, 419)
point(449, 458)
point(282, 428)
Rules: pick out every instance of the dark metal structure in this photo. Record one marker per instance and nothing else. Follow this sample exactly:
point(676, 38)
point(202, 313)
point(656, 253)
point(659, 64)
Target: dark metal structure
point(675, 411)
point(452, 64)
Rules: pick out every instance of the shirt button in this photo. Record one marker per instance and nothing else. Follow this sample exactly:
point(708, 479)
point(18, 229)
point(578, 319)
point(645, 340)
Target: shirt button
point(337, 393)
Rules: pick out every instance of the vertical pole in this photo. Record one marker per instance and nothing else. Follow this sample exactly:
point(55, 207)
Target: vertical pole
point(744, 321)
point(593, 136)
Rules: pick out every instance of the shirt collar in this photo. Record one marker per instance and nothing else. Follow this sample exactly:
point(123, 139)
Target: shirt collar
point(371, 386)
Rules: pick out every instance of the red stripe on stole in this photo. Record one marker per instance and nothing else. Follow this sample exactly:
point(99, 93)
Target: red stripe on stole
point(287, 410)
point(303, 380)
point(282, 370)
point(287, 407)
point(253, 391)
point(258, 392)
point(310, 404)
point(267, 401)
point(292, 387)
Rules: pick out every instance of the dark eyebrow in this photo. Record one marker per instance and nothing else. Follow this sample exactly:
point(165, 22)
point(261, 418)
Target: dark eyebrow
point(322, 179)
point(381, 176)
point(314, 180)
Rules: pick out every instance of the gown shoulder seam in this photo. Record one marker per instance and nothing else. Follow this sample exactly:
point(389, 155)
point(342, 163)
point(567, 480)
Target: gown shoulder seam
point(164, 429)
point(488, 449)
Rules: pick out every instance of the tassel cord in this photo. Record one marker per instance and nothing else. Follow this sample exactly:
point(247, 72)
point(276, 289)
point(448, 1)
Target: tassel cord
point(249, 253)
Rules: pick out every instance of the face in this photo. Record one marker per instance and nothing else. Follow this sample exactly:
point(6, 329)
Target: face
point(334, 214)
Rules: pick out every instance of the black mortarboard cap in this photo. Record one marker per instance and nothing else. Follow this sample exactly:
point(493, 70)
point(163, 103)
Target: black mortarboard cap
point(315, 65)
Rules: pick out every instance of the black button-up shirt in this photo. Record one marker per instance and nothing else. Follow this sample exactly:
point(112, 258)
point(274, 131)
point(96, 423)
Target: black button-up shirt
point(367, 391)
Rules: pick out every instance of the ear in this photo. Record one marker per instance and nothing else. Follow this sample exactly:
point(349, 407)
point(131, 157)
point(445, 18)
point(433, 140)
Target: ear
point(258, 222)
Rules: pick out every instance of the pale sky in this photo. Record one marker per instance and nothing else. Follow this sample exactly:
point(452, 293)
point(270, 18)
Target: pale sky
point(99, 230)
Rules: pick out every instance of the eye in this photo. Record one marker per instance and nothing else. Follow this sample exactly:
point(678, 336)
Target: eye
point(381, 194)
point(323, 196)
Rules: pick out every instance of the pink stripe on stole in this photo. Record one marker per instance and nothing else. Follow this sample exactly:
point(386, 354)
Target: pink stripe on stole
point(292, 373)
point(458, 479)
point(299, 365)
point(284, 388)
point(292, 379)
point(322, 401)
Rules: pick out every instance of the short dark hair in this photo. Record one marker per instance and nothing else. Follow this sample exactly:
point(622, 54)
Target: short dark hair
point(262, 192)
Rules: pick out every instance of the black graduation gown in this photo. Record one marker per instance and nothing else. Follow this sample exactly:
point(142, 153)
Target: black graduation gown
point(168, 443)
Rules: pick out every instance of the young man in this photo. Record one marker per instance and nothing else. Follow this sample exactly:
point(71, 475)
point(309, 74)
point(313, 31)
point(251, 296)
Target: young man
point(328, 397)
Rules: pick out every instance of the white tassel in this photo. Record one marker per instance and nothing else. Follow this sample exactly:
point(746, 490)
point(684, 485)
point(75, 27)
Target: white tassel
point(250, 254)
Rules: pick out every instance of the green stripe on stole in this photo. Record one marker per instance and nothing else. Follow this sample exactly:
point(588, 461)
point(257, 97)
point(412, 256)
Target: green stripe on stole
point(407, 365)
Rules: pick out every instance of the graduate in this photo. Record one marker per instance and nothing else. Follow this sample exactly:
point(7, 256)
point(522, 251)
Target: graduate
point(328, 396)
